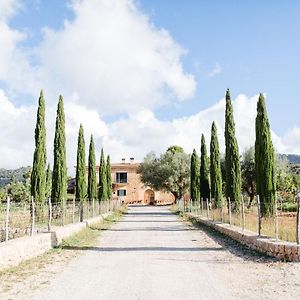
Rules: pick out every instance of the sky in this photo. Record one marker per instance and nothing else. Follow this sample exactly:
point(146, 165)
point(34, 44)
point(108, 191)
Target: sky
point(141, 75)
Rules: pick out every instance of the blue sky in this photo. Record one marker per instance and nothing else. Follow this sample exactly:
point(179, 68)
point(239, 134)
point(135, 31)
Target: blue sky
point(151, 67)
point(255, 43)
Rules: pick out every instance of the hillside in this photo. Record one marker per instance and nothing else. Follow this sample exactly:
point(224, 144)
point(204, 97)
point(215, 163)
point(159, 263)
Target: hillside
point(6, 176)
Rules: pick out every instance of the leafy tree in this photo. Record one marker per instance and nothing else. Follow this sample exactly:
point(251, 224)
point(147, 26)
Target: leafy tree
point(195, 177)
point(102, 195)
point(59, 175)
point(175, 149)
point(248, 174)
point(204, 171)
point(108, 177)
point(232, 157)
point(92, 181)
point(170, 172)
point(19, 191)
point(48, 181)
point(264, 160)
point(215, 167)
point(38, 175)
point(80, 167)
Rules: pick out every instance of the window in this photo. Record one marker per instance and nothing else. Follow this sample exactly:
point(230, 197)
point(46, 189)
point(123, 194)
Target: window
point(121, 177)
point(121, 192)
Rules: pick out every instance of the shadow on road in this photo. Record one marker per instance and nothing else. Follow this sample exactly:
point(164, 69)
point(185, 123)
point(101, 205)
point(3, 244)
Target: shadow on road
point(142, 249)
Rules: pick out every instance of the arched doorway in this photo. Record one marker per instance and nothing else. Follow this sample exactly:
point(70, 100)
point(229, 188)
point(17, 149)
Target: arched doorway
point(149, 197)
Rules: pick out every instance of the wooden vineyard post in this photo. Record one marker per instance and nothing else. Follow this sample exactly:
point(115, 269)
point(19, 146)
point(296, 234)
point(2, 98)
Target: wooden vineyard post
point(93, 209)
point(229, 210)
point(32, 215)
point(73, 210)
point(7, 218)
point(221, 210)
point(202, 206)
point(276, 217)
point(298, 218)
point(259, 215)
point(243, 213)
point(49, 214)
point(207, 209)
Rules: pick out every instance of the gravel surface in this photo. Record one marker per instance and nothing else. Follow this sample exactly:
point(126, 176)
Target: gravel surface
point(151, 254)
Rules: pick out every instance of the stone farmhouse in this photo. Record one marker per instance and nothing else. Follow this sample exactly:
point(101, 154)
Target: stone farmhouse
point(128, 186)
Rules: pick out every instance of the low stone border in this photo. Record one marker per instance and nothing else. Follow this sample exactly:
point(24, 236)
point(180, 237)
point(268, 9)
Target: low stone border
point(17, 250)
point(278, 249)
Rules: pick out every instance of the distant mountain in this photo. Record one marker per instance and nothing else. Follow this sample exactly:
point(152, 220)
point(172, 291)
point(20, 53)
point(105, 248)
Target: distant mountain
point(292, 158)
point(7, 176)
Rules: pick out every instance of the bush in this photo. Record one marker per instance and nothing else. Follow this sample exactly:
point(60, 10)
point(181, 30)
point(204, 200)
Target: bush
point(288, 206)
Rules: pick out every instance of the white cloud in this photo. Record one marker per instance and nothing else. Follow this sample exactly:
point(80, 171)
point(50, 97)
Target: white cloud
point(114, 59)
point(133, 136)
point(8, 8)
point(217, 69)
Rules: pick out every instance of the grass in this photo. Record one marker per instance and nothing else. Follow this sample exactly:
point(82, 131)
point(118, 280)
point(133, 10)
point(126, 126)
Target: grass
point(85, 238)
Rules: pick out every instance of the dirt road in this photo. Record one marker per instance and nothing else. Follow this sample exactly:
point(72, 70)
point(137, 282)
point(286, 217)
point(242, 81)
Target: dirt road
point(151, 254)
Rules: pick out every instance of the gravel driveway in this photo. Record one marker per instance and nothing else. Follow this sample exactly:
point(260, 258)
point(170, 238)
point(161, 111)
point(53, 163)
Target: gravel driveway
point(151, 254)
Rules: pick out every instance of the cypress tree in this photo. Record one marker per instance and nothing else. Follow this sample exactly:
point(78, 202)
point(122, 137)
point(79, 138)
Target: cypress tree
point(102, 195)
point(204, 171)
point(59, 174)
point(80, 167)
point(38, 175)
point(195, 177)
point(48, 181)
point(264, 160)
point(108, 178)
point(215, 167)
point(92, 181)
point(232, 157)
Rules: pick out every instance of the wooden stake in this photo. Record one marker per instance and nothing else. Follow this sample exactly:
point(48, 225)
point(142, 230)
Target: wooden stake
point(298, 221)
point(259, 215)
point(243, 213)
point(73, 210)
point(276, 218)
point(7, 218)
point(229, 210)
point(32, 215)
point(207, 209)
point(49, 214)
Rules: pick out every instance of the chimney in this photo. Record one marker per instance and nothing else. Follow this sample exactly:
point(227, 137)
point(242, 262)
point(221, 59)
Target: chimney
point(131, 160)
point(123, 160)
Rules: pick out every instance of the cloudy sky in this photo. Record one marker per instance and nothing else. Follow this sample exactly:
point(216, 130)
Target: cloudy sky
point(141, 75)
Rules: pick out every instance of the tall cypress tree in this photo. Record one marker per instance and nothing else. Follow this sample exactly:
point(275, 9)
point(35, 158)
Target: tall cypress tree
point(80, 167)
point(48, 181)
point(232, 157)
point(59, 174)
point(92, 181)
point(195, 177)
point(38, 175)
point(215, 167)
point(108, 178)
point(264, 160)
point(204, 171)
point(102, 194)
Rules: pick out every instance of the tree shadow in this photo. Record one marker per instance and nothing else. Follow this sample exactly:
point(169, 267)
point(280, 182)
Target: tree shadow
point(144, 249)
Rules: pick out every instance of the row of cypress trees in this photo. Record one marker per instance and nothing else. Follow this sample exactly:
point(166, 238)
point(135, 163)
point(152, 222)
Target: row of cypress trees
point(44, 184)
point(264, 162)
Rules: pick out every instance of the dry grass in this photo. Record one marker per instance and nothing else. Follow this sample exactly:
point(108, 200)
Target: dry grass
point(286, 221)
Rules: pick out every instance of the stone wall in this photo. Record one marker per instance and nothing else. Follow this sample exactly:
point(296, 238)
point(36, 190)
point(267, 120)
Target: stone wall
point(17, 250)
point(268, 246)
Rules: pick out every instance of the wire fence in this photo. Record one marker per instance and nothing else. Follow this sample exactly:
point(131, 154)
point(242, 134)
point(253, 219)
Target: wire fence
point(283, 225)
point(19, 219)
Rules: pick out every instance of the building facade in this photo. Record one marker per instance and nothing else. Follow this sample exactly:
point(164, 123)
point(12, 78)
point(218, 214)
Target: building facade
point(128, 186)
